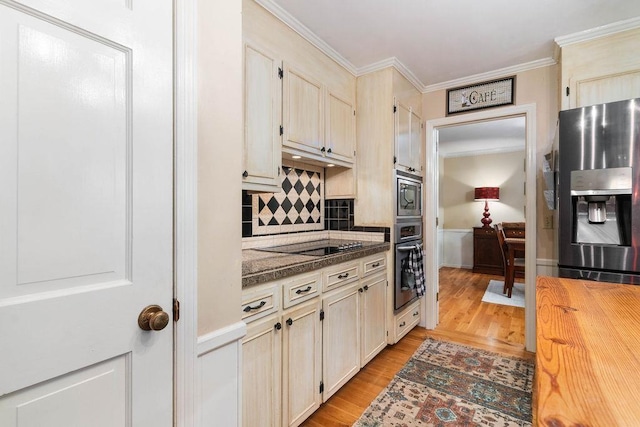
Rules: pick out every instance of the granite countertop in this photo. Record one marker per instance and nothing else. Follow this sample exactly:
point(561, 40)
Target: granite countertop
point(260, 266)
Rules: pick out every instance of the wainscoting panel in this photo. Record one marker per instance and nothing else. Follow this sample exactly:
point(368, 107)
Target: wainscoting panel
point(219, 376)
point(457, 248)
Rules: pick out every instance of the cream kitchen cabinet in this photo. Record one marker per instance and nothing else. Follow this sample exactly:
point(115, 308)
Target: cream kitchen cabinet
point(406, 320)
point(261, 373)
point(281, 367)
point(340, 338)
point(301, 362)
point(307, 335)
point(373, 305)
point(377, 94)
point(262, 155)
point(318, 124)
point(354, 325)
point(408, 138)
point(600, 70)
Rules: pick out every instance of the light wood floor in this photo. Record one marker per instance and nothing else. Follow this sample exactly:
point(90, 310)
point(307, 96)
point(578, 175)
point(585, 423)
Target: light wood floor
point(464, 319)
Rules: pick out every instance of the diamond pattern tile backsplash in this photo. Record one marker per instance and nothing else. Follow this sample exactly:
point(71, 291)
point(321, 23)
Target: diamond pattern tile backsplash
point(299, 207)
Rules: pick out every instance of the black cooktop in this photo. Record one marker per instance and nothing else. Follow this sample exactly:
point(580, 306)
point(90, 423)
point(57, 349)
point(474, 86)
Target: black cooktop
point(315, 248)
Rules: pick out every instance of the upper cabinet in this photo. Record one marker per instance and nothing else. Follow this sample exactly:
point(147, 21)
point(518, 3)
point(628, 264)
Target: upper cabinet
point(318, 123)
point(408, 137)
point(389, 136)
point(340, 128)
point(262, 155)
point(600, 70)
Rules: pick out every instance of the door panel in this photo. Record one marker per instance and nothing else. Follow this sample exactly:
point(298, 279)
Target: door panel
point(91, 396)
point(66, 164)
point(85, 212)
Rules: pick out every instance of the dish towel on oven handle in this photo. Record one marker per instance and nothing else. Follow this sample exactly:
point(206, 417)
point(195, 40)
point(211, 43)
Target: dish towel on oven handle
point(417, 265)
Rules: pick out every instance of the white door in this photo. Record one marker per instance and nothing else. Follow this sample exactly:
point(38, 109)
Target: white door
point(85, 212)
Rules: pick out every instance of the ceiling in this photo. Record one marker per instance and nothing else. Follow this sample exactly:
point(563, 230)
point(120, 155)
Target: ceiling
point(435, 43)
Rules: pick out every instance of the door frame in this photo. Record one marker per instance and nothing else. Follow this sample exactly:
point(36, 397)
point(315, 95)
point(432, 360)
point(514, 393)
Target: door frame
point(430, 304)
point(185, 40)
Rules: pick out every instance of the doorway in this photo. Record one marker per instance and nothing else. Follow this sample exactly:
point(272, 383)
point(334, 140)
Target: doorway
point(483, 154)
point(430, 303)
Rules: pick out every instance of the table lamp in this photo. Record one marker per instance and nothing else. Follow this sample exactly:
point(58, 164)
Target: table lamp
point(486, 194)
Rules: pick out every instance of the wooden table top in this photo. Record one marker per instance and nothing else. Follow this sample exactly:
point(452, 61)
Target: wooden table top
point(588, 353)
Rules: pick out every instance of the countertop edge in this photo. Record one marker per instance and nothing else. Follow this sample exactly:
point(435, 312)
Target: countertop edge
point(314, 264)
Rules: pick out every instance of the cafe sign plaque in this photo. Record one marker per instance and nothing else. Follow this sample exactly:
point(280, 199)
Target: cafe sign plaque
point(482, 95)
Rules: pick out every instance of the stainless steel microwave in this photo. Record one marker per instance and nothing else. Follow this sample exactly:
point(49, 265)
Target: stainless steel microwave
point(408, 197)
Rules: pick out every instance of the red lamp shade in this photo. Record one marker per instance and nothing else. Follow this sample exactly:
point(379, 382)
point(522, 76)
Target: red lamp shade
point(485, 194)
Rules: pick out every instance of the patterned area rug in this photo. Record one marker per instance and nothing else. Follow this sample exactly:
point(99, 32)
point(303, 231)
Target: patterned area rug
point(448, 385)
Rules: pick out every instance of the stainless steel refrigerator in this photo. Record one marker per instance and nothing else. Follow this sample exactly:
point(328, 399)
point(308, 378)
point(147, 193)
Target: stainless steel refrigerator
point(599, 192)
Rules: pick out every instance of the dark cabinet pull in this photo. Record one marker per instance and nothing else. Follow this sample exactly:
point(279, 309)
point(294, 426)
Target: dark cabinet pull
point(322, 150)
point(245, 174)
point(278, 326)
point(360, 290)
point(302, 291)
point(329, 151)
point(402, 324)
point(416, 313)
point(377, 264)
point(366, 287)
point(289, 321)
point(343, 276)
point(249, 308)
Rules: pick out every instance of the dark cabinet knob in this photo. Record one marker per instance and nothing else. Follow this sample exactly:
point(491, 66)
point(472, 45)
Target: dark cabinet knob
point(245, 174)
point(289, 321)
point(329, 151)
point(278, 326)
point(360, 290)
point(366, 287)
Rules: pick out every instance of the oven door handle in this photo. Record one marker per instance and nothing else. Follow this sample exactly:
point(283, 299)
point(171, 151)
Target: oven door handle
point(406, 248)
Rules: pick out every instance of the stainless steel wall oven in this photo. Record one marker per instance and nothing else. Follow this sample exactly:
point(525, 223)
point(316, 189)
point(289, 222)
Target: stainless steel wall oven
point(408, 234)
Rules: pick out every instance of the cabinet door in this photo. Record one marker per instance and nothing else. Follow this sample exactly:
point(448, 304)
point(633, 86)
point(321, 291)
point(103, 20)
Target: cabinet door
point(302, 359)
point(263, 116)
point(416, 144)
point(261, 373)
point(403, 137)
point(609, 88)
point(373, 309)
point(303, 112)
point(340, 128)
point(340, 338)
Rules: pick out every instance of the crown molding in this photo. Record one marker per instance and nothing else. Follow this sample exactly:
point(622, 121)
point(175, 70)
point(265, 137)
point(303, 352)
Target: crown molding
point(306, 34)
point(398, 65)
point(495, 74)
point(597, 32)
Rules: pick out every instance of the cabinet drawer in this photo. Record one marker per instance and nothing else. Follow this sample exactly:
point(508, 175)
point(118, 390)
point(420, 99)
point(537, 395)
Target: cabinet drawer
point(374, 264)
point(260, 303)
point(300, 288)
point(340, 275)
point(408, 319)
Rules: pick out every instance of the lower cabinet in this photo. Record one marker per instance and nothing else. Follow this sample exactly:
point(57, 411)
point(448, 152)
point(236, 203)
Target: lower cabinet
point(261, 373)
point(340, 338)
point(292, 360)
point(373, 306)
point(407, 319)
point(301, 363)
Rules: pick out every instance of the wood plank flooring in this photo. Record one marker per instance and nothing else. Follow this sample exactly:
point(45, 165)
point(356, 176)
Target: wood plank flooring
point(464, 319)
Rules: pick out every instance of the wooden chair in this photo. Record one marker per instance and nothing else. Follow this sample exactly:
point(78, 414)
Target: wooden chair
point(509, 270)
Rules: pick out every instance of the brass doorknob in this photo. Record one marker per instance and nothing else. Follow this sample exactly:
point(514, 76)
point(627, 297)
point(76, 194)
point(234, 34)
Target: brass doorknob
point(153, 318)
